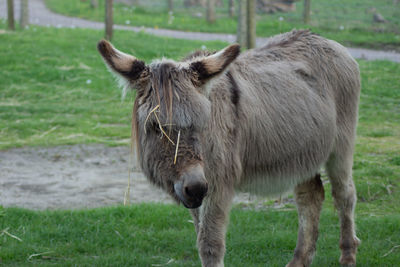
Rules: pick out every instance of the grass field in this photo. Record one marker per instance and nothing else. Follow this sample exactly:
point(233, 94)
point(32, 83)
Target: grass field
point(347, 21)
point(142, 235)
point(57, 90)
point(54, 89)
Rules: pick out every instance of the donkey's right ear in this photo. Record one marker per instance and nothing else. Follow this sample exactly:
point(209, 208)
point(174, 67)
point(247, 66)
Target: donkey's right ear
point(212, 65)
point(120, 63)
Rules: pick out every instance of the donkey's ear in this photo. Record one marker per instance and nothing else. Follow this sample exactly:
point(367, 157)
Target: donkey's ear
point(123, 64)
point(214, 64)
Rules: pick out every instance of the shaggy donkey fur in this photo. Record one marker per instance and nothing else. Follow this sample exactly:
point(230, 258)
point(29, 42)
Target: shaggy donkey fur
point(265, 121)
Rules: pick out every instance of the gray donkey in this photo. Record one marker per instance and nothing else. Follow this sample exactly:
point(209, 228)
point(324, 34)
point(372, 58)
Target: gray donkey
point(264, 121)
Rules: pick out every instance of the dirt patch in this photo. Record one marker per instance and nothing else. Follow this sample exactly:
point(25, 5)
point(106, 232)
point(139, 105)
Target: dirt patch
point(72, 177)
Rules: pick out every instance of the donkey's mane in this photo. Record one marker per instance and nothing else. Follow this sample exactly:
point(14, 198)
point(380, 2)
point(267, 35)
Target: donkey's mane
point(198, 54)
point(289, 38)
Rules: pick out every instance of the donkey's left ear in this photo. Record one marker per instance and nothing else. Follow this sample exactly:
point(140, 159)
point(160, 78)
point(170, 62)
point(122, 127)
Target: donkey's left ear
point(212, 65)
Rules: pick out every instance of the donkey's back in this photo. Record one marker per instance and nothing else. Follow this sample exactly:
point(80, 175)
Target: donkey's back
point(299, 104)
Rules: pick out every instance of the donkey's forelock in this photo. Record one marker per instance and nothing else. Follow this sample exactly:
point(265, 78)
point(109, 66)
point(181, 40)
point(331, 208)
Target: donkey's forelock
point(173, 93)
point(162, 74)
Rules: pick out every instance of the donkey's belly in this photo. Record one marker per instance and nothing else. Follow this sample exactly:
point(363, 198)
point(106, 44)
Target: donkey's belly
point(265, 184)
point(269, 173)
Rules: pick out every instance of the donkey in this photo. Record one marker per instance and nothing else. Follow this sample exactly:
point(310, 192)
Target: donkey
point(265, 121)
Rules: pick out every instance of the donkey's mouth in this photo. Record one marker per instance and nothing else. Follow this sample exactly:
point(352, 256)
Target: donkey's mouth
point(181, 197)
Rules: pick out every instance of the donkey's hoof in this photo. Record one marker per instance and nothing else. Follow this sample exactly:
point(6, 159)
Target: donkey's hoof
point(348, 257)
point(295, 263)
point(348, 260)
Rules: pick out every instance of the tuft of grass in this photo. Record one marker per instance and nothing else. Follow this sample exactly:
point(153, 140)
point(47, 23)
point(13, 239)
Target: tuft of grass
point(347, 21)
point(380, 133)
point(2, 211)
point(395, 160)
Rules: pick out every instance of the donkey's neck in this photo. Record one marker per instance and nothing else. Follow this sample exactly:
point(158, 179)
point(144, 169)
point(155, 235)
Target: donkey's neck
point(221, 138)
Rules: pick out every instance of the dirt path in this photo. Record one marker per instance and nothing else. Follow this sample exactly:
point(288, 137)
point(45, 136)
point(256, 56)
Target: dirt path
point(40, 15)
point(70, 177)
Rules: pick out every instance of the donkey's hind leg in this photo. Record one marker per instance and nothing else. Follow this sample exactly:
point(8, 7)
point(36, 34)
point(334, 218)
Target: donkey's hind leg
point(309, 197)
point(339, 168)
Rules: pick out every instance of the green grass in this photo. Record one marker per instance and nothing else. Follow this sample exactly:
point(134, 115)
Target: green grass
point(55, 88)
point(347, 21)
point(45, 100)
point(146, 234)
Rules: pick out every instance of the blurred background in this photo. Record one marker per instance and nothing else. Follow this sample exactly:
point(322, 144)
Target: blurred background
point(368, 23)
point(362, 23)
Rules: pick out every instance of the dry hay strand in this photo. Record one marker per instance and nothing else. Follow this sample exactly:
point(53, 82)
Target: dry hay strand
point(153, 111)
point(5, 232)
point(177, 146)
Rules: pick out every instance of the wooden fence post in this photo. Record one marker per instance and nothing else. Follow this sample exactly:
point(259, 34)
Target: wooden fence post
point(242, 23)
point(211, 11)
point(251, 24)
point(109, 20)
point(170, 6)
point(231, 8)
point(10, 15)
point(307, 11)
point(24, 17)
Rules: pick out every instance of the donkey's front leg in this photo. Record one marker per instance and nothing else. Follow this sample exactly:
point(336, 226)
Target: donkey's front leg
point(195, 217)
point(214, 217)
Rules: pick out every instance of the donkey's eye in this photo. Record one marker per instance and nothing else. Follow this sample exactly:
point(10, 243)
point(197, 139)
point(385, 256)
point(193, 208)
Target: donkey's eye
point(155, 127)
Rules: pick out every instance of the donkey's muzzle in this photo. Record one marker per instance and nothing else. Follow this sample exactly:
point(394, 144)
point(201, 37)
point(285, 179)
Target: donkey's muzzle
point(192, 187)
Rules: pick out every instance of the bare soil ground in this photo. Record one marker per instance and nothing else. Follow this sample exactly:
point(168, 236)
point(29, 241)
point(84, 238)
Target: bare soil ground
point(74, 177)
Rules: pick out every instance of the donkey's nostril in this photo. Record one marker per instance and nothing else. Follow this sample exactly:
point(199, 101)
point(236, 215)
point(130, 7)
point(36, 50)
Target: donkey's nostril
point(187, 191)
point(196, 190)
point(192, 187)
